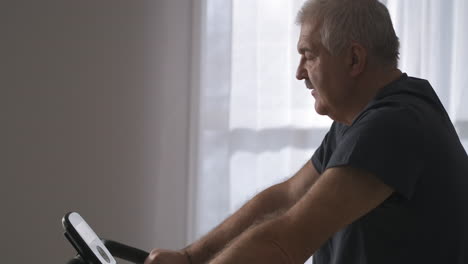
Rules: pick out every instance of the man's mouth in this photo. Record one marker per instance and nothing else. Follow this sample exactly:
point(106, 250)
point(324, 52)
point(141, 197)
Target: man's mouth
point(309, 86)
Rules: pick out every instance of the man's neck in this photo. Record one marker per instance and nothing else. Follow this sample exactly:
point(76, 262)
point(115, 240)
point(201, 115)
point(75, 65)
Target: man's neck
point(368, 86)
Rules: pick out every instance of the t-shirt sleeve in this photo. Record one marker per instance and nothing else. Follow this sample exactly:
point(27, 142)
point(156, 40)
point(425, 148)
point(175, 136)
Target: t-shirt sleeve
point(386, 143)
point(318, 157)
point(322, 153)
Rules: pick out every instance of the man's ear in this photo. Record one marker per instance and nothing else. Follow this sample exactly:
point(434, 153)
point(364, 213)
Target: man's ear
point(357, 59)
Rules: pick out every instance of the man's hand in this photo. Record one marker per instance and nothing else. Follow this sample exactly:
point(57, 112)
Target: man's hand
point(162, 256)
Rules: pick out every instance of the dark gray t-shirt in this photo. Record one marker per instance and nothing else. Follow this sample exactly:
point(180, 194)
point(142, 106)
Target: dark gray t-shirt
point(406, 139)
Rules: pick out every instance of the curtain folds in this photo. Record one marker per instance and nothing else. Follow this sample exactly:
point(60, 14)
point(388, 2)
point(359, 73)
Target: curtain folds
point(433, 46)
point(208, 179)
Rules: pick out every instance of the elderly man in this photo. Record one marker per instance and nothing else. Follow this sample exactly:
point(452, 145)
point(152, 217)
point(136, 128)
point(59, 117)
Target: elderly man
point(389, 183)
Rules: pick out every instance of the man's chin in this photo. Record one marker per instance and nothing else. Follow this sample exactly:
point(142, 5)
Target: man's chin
point(320, 109)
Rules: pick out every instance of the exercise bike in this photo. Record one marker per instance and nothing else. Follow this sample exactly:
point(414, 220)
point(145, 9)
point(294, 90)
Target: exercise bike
point(93, 250)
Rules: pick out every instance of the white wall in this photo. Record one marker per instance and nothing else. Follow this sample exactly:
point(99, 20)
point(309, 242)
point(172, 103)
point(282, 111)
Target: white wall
point(94, 118)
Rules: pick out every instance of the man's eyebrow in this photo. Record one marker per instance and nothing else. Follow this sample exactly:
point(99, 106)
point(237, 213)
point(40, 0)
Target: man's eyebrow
point(302, 50)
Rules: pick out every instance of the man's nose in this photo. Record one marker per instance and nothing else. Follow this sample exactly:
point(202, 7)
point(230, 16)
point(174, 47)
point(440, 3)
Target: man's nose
point(301, 73)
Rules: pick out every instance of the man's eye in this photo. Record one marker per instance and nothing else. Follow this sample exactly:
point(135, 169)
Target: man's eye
point(310, 56)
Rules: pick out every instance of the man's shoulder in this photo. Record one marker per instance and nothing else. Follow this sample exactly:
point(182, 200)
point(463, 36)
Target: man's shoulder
point(389, 115)
point(407, 92)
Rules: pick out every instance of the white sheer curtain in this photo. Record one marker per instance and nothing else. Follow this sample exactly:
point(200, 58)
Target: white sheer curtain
point(272, 123)
point(434, 46)
point(254, 124)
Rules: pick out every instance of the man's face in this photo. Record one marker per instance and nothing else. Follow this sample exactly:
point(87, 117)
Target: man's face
point(323, 73)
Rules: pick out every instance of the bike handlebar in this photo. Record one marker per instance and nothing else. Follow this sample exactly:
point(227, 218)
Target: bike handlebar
point(120, 251)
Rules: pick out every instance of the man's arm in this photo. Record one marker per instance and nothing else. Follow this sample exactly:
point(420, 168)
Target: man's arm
point(338, 198)
point(273, 200)
point(276, 199)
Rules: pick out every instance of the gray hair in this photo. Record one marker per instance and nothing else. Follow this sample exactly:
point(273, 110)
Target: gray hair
point(364, 21)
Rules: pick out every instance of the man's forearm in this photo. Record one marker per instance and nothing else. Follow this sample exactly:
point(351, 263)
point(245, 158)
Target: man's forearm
point(265, 203)
point(261, 244)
